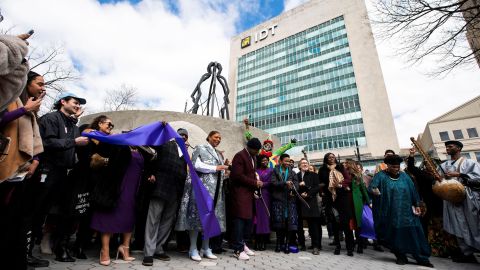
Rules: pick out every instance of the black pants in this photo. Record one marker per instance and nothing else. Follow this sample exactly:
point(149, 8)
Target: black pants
point(300, 232)
point(241, 231)
point(315, 229)
point(12, 231)
point(54, 200)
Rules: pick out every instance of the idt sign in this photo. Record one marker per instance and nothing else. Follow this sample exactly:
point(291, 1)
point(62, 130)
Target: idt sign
point(259, 36)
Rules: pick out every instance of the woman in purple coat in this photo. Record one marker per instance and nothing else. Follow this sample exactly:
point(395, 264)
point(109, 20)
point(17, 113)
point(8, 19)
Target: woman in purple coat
point(262, 204)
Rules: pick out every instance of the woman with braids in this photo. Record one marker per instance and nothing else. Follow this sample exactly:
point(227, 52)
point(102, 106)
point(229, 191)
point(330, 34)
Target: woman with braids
point(337, 189)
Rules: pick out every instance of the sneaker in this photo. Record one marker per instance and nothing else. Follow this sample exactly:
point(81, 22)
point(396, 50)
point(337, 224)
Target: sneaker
point(241, 255)
point(147, 261)
point(209, 254)
point(315, 251)
point(194, 255)
point(248, 251)
point(161, 256)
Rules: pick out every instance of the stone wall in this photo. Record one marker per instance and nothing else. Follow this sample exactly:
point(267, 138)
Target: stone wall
point(198, 127)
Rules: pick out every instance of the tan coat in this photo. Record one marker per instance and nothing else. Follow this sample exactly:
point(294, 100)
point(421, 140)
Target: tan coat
point(25, 143)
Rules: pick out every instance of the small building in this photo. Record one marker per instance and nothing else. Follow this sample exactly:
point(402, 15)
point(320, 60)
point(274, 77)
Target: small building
point(462, 124)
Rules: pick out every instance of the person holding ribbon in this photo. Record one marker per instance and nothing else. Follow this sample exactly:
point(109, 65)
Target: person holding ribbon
point(262, 203)
point(210, 167)
point(117, 171)
point(284, 209)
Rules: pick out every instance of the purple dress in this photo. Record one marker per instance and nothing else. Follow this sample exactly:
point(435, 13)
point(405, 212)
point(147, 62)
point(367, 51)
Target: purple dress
point(122, 218)
point(262, 218)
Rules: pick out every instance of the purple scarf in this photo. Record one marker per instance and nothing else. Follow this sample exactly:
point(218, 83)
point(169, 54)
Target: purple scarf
point(156, 134)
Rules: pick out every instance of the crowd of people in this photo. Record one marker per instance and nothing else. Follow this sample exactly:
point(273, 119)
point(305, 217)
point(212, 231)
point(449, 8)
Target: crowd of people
point(64, 190)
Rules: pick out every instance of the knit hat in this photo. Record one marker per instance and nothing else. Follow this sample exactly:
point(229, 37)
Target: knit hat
point(182, 131)
point(254, 143)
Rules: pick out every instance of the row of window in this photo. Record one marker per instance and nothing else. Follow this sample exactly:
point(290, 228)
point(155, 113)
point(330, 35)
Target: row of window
point(458, 134)
point(315, 122)
point(297, 55)
point(321, 111)
point(315, 73)
point(289, 82)
point(294, 100)
point(329, 60)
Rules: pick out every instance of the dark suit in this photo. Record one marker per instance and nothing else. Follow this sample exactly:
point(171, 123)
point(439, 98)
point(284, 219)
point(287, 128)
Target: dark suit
point(243, 183)
point(170, 172)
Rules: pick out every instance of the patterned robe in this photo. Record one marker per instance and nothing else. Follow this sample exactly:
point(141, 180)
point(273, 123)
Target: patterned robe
point(188, 218)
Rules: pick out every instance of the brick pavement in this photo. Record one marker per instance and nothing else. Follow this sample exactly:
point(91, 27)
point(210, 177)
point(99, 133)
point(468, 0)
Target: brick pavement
point(267, 260)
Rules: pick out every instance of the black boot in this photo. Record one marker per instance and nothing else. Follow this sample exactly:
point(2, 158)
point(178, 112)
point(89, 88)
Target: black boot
point(337, 250)
point(32, 260)
point(277, 246)
point(61, 250)
point(79, 253)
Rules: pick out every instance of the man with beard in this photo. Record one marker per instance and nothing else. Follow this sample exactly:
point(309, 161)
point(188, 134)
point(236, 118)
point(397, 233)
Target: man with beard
point(463, 219)
point(60, 135)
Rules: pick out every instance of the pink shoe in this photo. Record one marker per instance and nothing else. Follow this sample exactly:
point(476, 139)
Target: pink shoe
point(248, 251)
point(241, 256)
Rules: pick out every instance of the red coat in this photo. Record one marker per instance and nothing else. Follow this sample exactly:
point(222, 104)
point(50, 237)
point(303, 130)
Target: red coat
point(243, 184)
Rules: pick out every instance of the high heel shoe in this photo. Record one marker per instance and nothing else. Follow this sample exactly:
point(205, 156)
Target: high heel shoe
point(106, 262)
point(121, 249)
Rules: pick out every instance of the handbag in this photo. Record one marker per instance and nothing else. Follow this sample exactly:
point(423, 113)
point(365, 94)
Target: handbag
point(98, 161)
point(367, 228)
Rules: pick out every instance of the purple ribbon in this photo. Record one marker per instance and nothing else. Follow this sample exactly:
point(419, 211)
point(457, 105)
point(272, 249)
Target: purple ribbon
point(156, 134)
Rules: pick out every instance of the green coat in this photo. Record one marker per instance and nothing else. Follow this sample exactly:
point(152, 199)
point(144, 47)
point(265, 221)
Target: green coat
point(360, 198)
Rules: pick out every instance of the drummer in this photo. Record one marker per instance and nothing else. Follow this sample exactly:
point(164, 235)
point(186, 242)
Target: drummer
point(463, 220)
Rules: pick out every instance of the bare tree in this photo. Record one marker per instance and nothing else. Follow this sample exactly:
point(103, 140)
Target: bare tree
point(435, 29)
point(49, 62)
point(123, 98)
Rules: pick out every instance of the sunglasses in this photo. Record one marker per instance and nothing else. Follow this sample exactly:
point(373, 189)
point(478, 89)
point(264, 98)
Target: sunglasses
point(110, 125)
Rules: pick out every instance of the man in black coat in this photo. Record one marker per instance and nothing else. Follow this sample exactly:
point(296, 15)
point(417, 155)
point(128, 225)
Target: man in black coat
point(170, 173)
point(60, 135)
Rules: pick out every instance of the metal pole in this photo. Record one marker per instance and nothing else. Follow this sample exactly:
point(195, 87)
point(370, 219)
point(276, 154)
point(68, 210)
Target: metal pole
point(358, 150)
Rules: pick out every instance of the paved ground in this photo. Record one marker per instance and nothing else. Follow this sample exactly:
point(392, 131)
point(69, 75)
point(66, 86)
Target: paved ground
point(268, 260)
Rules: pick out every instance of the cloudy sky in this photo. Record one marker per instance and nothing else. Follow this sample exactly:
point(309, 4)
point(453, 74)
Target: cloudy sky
point(162, 47)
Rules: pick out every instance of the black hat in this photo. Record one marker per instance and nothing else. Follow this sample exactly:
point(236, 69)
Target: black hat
point(182, 131)
point(393, 160)
point(457, 143)
point(254, 143)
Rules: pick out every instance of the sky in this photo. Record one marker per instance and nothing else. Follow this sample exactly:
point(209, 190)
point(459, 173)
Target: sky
point(162, 48)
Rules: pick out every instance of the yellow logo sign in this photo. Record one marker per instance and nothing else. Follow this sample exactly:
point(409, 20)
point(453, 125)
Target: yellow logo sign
point(246, 42)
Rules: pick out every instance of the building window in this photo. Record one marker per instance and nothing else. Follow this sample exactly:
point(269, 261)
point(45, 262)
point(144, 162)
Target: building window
point(457, 134)
point(444, 136)
point(477, 155)
point(472, 132)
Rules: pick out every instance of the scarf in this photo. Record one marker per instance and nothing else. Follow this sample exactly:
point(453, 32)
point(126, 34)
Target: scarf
point(335, 180)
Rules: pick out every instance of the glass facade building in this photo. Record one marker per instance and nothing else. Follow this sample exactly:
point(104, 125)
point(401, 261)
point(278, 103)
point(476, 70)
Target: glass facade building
point(303, 87)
